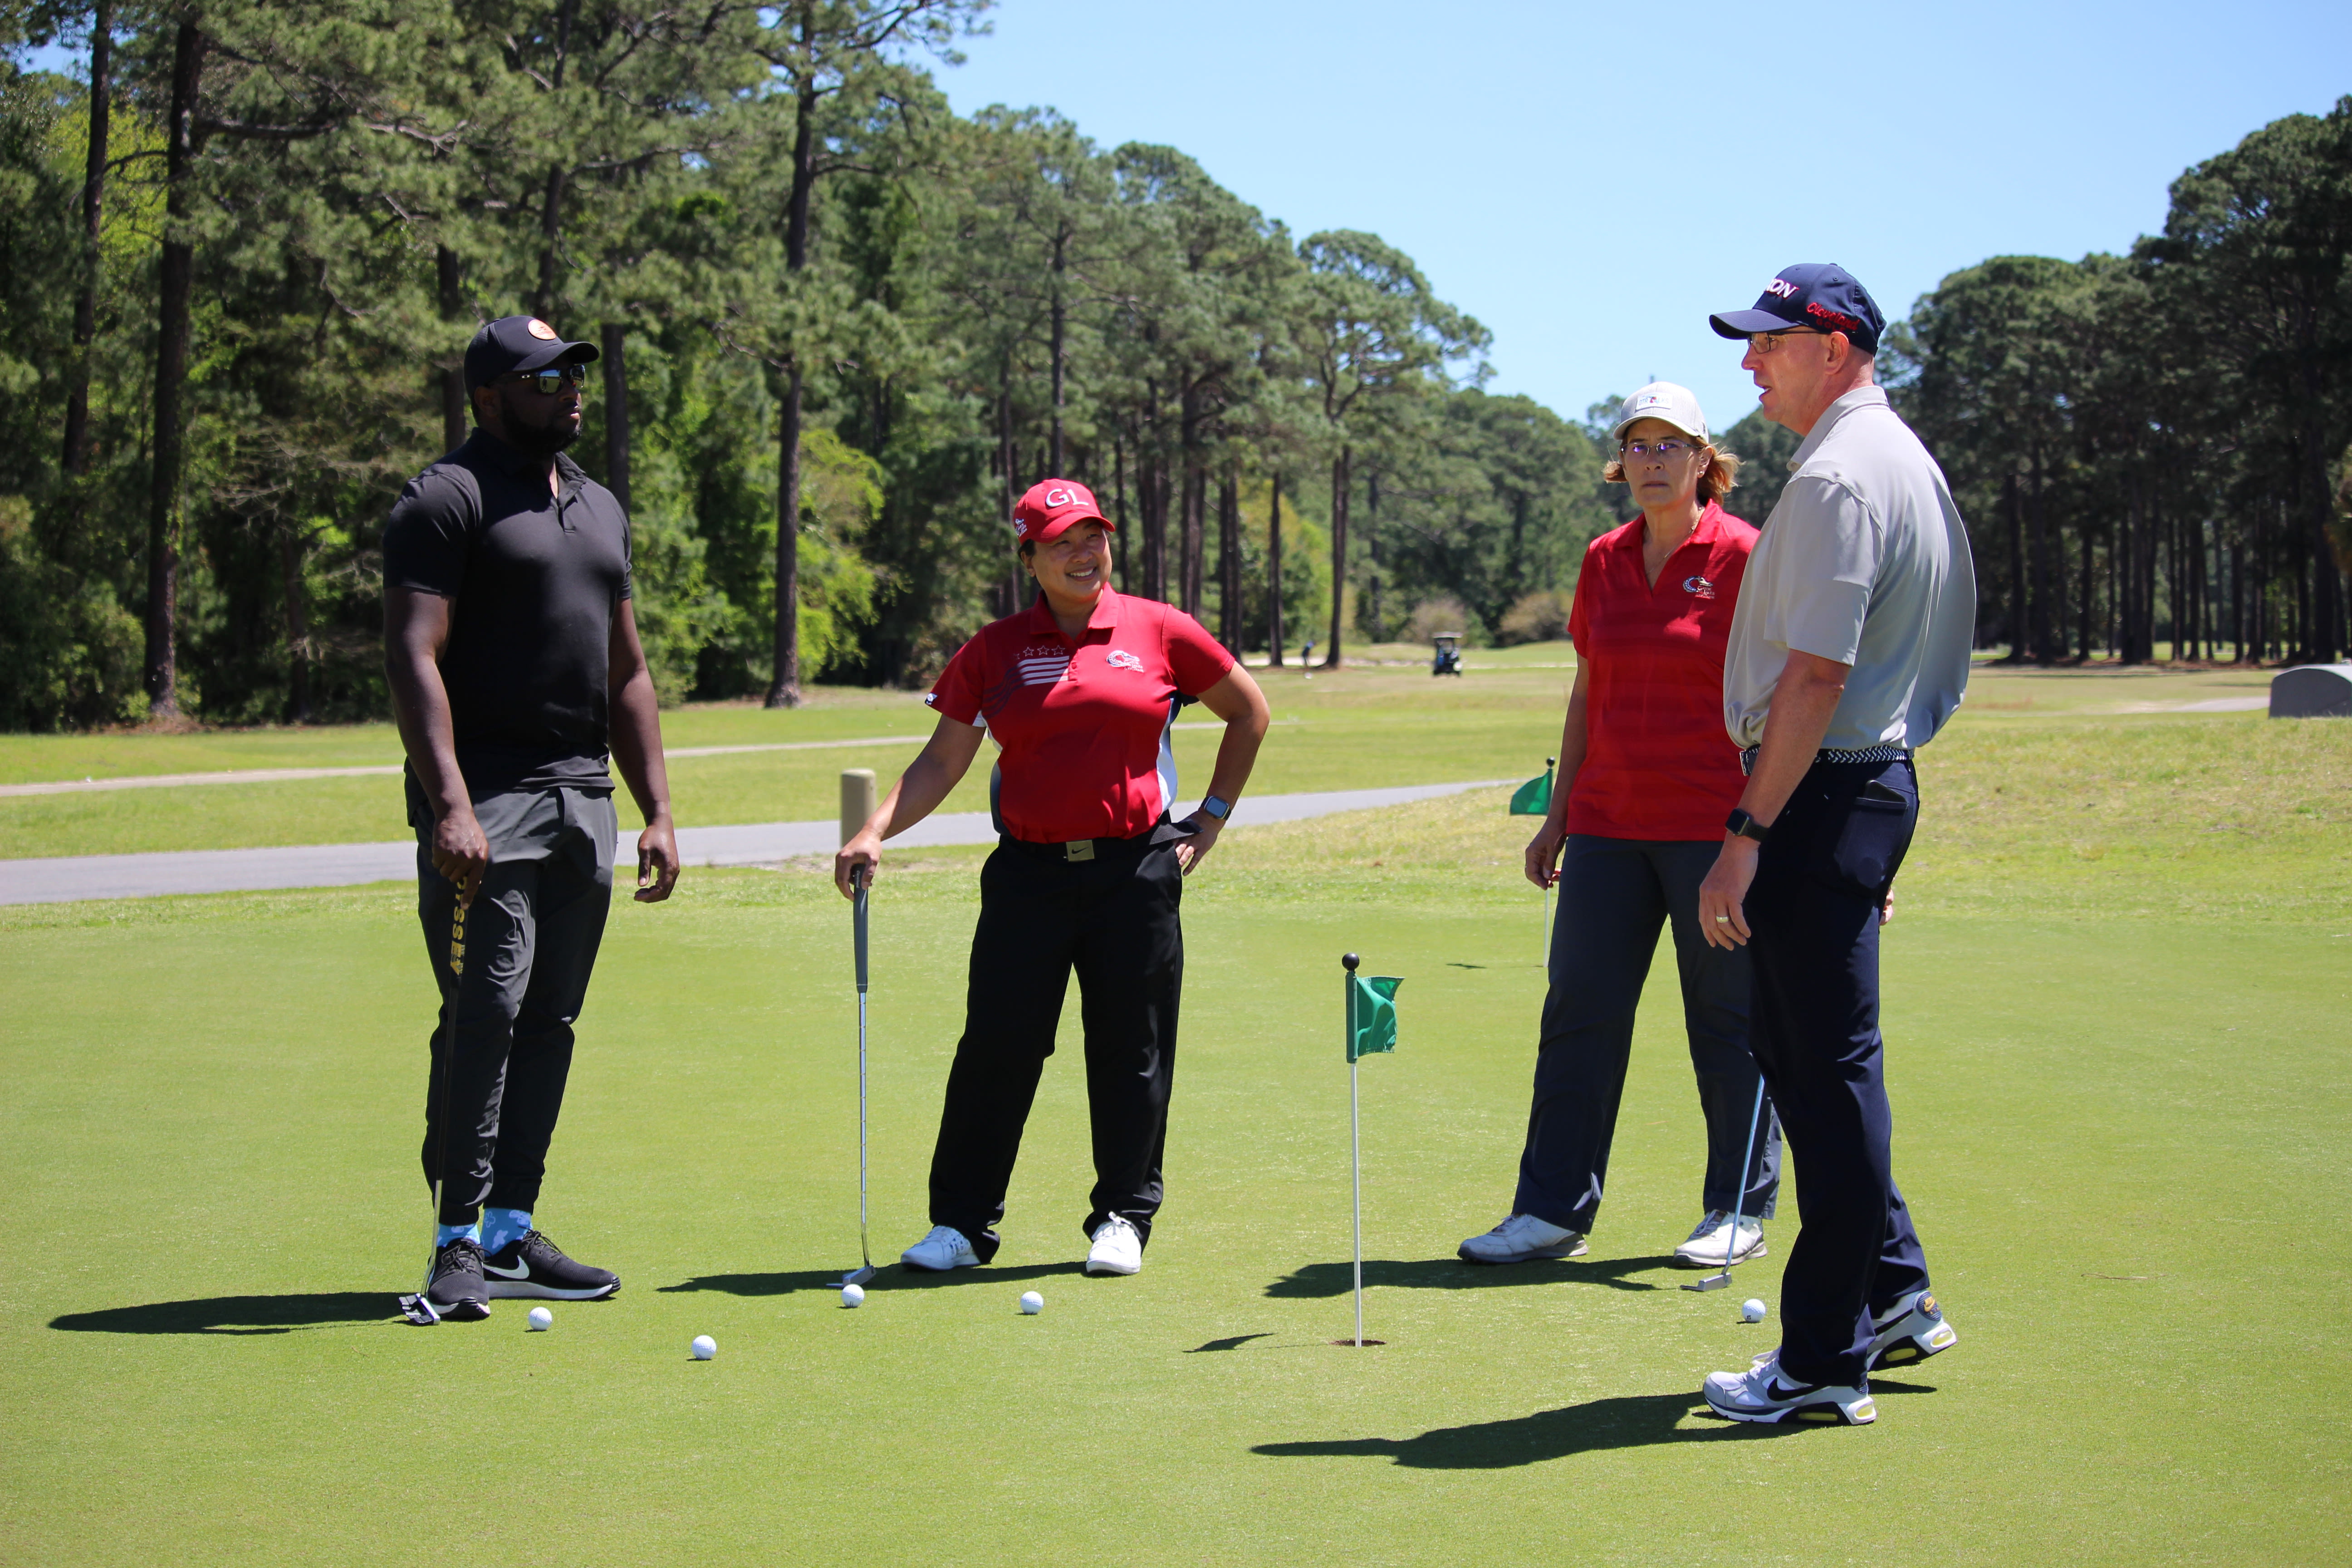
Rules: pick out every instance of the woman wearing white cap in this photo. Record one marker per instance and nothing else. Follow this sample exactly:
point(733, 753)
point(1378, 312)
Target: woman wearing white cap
point(1647, 773)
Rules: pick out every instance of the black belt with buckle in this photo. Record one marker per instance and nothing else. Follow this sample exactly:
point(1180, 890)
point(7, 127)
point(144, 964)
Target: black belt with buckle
point(1077, 851)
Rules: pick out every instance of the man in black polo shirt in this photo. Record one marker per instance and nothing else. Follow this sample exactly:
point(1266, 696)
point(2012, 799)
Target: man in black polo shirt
point(515, 670)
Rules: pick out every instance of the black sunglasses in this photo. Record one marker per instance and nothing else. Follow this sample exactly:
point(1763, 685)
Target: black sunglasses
point(554, 379)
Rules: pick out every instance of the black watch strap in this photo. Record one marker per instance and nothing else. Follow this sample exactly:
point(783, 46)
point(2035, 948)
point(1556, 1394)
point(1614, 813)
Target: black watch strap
point(1740, 825)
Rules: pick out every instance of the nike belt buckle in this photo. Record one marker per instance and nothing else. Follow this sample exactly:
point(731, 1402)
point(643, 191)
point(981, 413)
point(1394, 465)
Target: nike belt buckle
point(1078, 849)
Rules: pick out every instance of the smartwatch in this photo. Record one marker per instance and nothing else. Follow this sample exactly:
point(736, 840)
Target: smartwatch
point(1218, 808)
point(1739, 825)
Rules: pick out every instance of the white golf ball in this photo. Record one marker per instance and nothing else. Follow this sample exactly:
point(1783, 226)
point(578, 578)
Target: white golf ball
point(853, 1295)
point(1751, 1310)
point(1031, 1302)
point(704, 1347)
point(541, 1318)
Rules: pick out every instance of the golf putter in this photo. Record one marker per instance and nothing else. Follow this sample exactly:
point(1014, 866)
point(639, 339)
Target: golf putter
point(418, 1308)
point(864, 1269)
point(1716, 1281)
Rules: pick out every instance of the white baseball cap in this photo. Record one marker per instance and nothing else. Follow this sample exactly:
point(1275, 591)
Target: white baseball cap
point(1678, 405)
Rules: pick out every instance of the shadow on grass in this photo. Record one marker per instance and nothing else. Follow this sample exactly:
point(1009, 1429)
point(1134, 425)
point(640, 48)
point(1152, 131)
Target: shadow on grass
point(891, 1276)
point(237, 1314)
point(1322, 1279)
point(1232, 1343)
point(1633, 1421)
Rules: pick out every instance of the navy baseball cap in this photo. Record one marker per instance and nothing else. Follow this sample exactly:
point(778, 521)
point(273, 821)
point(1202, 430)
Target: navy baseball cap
point(513, 344)
point(1818, 294)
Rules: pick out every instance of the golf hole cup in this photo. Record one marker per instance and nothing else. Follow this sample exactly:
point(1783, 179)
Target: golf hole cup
point(704, 1347)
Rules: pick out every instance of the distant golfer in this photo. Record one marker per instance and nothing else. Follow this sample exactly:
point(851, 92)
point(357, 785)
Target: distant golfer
point(1080, 690)
point(1645, 776)
point(1849, 650)
point(515, 670)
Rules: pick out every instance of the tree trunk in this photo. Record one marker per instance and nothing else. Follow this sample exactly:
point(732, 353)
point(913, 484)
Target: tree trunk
point(452, 376)
point(1342, 466)
point(1191, 514)
point(1118, 503)
point(2041, 595)
point(1061, 322)
point(2090, 578)
point(784, 689)
point(1229, 563)
point(2019, 651)
point(297, 627)
point(1006, 591)
point(616, 414)
point(1273, 580)
point(550, 211)
point(93, 191)
point(1376, 622)
point(177, 276)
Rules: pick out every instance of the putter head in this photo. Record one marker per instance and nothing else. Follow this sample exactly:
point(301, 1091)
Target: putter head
point(1712, 1282)
point(858, 1275)
point(418, 1311)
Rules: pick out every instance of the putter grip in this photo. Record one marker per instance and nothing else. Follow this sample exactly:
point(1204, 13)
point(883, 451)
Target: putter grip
point(857, 923)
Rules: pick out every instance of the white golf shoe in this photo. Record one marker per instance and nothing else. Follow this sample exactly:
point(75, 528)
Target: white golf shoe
point(1707, 1244)
point(1910, 1332)
point(946, 1247)
point(1118, 1249)
point(1520, 1238)
point(1761, 1393)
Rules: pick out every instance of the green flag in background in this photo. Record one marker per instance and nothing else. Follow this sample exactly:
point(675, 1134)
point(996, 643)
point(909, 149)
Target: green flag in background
point(1371, 1013)
point(1533, 798)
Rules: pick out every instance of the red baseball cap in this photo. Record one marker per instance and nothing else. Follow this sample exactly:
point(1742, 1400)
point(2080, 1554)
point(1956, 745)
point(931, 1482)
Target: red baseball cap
point(1053, 505)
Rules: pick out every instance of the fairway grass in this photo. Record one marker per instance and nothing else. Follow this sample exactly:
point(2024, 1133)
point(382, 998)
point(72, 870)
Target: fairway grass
point(2119, 1133)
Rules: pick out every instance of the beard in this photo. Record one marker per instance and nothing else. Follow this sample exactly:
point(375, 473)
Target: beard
point(540, 440)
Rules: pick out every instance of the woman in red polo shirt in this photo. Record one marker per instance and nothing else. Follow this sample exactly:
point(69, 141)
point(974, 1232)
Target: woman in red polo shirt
point(1080, 690)
point(1648, 775)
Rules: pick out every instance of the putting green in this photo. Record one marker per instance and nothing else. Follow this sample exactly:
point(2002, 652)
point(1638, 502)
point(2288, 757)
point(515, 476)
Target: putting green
point(2120, 1137)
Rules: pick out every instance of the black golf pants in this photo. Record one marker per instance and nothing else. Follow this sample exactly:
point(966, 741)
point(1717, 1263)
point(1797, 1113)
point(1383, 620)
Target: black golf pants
point(529, 941)
point(1113, 919)
point(1614, 896)
point(1814, 914)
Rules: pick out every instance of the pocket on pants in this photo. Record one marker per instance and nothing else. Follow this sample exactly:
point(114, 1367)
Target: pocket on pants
point(1872, 835)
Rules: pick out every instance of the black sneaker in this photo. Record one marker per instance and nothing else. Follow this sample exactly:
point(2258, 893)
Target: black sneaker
point(536, 1267)
point(457, 1289)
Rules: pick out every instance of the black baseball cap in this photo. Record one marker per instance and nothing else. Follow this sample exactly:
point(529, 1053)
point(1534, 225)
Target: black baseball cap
point(1817, 294)
point(513, 344)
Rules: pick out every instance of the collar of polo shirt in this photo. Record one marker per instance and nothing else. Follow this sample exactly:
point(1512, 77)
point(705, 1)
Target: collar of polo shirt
point(1102, 616)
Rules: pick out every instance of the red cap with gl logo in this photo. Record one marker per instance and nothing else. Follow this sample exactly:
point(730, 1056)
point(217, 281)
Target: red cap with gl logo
point(1052, 506)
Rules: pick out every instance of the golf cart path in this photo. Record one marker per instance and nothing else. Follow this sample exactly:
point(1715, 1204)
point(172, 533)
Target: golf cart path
point(64, 878)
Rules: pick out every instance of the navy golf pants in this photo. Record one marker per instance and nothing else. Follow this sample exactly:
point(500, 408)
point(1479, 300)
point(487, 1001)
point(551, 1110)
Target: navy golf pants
point(1614, 896)
point(1813, 910)
point(1113, 919)
point(502, 1044)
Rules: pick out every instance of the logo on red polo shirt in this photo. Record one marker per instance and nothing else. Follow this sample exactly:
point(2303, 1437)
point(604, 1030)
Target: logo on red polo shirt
point(1698, 587)
point(1119, 658)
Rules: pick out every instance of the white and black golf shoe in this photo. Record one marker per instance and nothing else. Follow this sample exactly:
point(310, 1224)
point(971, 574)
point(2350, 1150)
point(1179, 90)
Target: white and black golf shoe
point(1910, 1332)
point(1118, 1248)
point(1719, 1244)
point(535, 1267)
point(946, 1247)
point(1521, 1238)
point(457, 1292)
point(1761, 1393)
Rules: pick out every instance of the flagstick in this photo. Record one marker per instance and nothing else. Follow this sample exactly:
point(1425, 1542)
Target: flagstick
point(1355, 1136)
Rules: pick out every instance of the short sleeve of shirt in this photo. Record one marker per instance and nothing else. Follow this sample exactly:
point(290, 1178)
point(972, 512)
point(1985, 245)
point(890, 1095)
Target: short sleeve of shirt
point(1196, 661)
point(1827, 549)
point(424, 541)
point(957, 692)
point(1580, 614)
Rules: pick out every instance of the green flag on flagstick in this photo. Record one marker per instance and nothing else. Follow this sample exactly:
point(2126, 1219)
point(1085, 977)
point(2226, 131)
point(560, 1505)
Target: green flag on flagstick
point(1533, 798)
point(1371, 1014)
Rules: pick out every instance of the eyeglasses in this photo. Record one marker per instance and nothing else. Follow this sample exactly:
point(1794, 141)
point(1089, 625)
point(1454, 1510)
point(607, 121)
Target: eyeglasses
point(548, 382)
point(1765, 343)
point(1668, 448)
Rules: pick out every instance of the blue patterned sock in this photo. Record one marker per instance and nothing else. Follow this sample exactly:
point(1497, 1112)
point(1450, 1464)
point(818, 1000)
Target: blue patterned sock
point(502, 1228)
point(449, 1233)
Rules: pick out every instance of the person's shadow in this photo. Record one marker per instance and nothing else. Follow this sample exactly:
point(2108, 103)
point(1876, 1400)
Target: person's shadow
point(1317, 1280)
point(1630, 1421)
point(891, 1277)
point(237, 1314)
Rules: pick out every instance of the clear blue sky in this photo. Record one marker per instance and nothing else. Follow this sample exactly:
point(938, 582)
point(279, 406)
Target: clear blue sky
point(1591, 181)
point(1558, 170)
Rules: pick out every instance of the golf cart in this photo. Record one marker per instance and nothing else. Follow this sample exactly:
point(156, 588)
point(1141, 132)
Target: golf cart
point(1449, 655)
